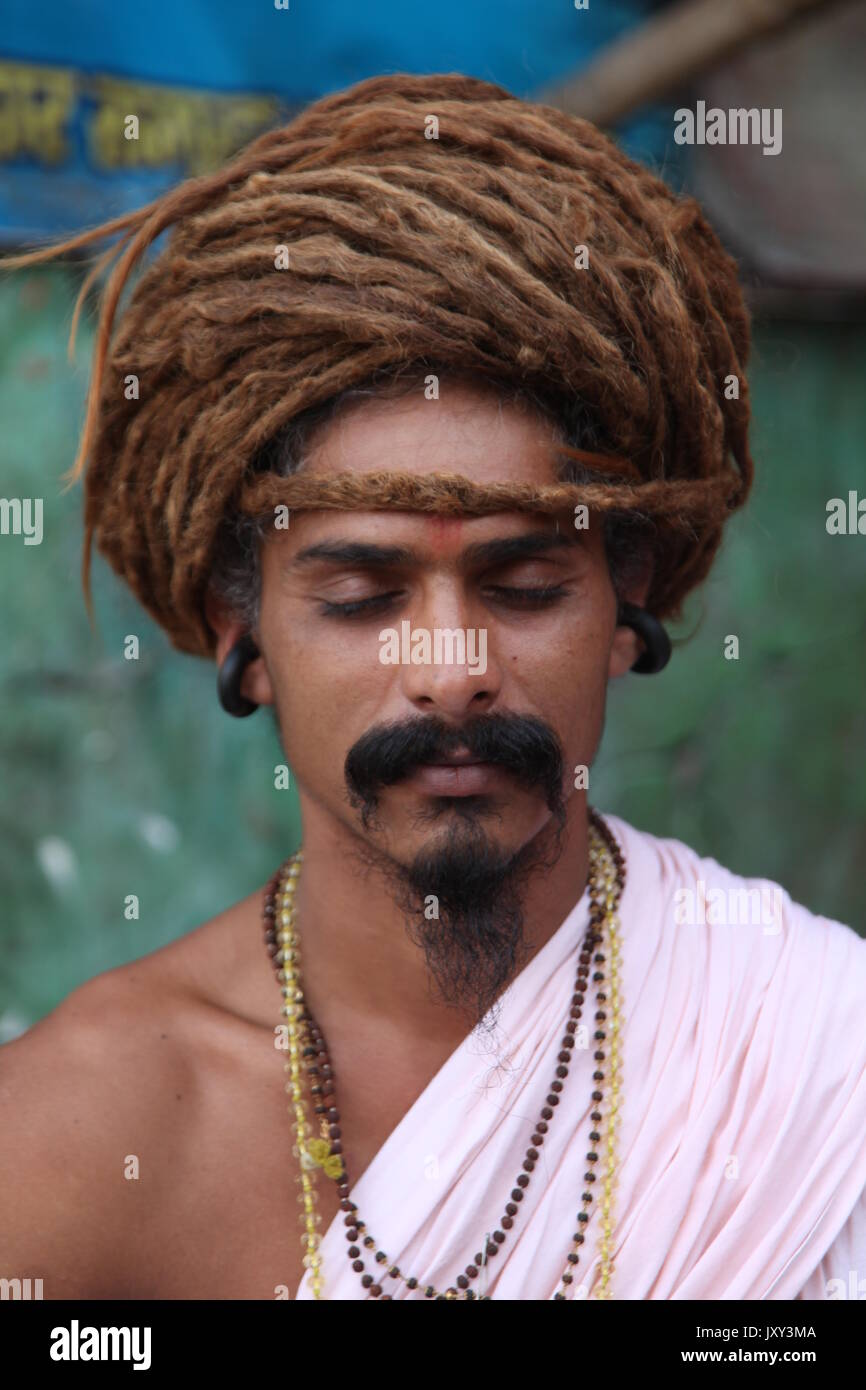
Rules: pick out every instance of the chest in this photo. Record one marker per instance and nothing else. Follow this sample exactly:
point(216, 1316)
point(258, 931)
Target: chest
point(224, 1215)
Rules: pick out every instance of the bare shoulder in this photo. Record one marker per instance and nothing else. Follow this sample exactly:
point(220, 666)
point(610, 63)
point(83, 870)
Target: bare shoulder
point(91, 1100)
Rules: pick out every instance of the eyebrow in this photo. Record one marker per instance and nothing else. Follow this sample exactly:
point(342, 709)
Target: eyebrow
point(365, 554)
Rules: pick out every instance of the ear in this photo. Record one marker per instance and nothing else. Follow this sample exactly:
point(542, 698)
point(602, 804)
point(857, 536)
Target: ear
point(255, 683)
point(626, 646)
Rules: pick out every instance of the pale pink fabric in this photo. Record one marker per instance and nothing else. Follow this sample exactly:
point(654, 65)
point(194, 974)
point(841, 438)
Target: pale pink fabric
point(743, 1134)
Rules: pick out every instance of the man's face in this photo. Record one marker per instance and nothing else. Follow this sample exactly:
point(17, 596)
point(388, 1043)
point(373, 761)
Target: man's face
point(534, 589)
point(532, 596)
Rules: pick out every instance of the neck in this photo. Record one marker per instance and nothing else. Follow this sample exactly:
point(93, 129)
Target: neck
point(357, 958)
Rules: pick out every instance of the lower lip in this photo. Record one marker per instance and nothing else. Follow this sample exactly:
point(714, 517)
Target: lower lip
point(458, 779)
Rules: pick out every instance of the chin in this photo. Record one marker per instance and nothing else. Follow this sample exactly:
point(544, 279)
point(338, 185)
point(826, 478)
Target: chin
point(505, 824)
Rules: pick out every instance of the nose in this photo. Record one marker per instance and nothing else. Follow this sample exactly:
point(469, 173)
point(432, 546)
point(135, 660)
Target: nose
point(459, 675)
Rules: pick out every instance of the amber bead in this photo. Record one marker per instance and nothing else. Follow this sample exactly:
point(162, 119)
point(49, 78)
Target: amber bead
point(320, 1067)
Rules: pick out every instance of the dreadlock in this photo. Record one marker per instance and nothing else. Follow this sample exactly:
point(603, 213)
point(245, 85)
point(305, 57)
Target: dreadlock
point(402, 251)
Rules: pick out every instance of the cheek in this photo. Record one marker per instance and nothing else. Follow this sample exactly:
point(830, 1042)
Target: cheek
point(562, 677)
point(328, 684)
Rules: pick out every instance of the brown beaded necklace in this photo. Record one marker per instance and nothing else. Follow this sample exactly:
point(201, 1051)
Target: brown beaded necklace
point(306, 1046)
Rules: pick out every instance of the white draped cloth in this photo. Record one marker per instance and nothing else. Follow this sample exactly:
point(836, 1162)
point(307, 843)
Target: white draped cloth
point(742, 1135)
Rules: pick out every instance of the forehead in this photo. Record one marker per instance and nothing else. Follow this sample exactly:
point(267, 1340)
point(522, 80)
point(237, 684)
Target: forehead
point(466, 431)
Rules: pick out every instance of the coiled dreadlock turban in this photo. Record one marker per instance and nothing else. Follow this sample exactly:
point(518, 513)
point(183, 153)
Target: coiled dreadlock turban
point(405, 250)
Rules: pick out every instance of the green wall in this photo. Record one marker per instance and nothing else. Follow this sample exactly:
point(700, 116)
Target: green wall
point(123, 777)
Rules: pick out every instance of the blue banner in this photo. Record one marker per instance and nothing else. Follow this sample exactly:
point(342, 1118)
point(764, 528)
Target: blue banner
point(203, 79)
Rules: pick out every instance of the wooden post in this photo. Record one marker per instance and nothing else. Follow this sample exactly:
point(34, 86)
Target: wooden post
point(670, 49)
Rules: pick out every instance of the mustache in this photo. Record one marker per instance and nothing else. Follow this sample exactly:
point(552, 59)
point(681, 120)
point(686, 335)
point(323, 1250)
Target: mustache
point(522, 744)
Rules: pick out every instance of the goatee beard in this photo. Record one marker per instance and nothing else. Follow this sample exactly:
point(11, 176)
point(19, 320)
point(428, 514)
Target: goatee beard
point(463, 896)
point(463, 900)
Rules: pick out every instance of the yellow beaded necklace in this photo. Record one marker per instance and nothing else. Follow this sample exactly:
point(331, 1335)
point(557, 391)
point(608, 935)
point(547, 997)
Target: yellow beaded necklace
point(606, 879)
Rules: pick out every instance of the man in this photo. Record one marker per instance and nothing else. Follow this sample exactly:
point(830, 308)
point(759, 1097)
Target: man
point(420, 437)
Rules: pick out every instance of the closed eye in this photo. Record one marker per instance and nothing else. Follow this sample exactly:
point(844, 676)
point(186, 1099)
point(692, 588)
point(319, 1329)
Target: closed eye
point(531, 596)
point(359, 606)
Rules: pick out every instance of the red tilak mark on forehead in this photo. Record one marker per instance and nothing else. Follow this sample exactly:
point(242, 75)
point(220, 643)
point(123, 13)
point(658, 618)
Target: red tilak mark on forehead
point(443, 532)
